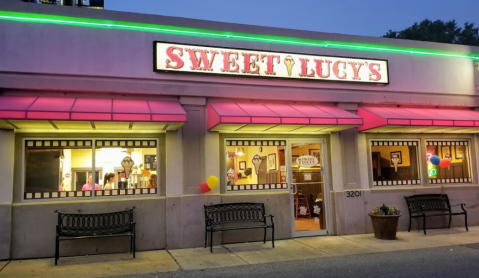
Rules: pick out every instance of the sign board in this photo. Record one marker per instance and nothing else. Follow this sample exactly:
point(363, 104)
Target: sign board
point(253, 63)
point(67, 175)
point(306, 161)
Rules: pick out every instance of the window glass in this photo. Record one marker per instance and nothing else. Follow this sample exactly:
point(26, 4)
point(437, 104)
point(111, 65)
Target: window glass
point(395, 163)
point(127, 168)
point(64, 168)
point(50, 167)
point(255, 165)
point(448, 161)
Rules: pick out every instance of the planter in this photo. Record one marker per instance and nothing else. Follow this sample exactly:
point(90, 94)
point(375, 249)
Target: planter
point(385, 226)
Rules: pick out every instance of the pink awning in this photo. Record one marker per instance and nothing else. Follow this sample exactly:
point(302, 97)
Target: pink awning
point(393, 119)
point(86, 109)
point(279, 118)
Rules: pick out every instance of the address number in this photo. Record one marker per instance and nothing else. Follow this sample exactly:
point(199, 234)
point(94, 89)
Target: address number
point(353, 193)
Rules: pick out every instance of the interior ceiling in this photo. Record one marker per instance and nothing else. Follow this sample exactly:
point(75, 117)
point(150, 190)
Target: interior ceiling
point(91, 126)
point(279, 128)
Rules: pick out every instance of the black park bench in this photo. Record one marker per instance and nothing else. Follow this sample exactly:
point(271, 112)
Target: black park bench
point(95, 225)
point(431, 205)
point(236, 216)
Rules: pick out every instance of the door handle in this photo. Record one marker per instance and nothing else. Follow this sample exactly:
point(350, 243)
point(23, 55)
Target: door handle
point(295, 188)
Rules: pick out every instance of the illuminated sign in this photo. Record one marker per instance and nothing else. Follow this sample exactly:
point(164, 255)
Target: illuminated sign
point(227, 61)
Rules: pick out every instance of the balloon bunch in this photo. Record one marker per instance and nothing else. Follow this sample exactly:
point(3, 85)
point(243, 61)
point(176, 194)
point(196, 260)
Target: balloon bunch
point(210, 183)
point(443, 163)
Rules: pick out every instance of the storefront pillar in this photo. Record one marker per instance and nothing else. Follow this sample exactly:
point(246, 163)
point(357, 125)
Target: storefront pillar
point(7, 147)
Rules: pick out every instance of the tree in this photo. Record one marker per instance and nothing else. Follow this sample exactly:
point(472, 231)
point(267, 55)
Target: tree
point(438, 31)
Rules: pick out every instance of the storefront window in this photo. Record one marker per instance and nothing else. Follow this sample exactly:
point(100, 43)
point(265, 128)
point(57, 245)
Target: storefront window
point(448, 161)
point(255, 165)
point(395, 163)
point(64, 168)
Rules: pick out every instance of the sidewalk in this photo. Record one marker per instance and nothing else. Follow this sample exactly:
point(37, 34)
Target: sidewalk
point(233, 254)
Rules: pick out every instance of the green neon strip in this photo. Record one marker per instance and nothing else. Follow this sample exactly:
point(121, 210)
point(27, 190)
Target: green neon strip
point(194, 32)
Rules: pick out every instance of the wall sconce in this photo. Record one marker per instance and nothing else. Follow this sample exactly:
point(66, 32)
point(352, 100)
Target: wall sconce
point(239, 151)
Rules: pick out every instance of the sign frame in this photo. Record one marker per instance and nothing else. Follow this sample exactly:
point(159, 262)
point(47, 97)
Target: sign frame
point(215, 74)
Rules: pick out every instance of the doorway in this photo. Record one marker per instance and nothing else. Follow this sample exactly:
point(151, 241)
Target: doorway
point(309, 193)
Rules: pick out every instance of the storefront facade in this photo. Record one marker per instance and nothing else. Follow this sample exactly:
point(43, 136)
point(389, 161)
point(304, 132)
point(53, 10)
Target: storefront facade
point(164, 103)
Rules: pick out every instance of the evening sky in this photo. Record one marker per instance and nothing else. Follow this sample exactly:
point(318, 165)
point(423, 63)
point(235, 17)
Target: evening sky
point(357, 17)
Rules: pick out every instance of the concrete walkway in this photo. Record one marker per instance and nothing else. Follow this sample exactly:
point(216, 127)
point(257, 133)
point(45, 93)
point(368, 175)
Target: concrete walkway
point(233, 254)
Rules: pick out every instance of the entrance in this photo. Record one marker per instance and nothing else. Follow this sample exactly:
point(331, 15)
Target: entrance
point(308, 189)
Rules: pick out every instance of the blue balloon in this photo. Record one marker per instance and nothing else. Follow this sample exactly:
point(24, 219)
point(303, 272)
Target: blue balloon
point(435, 160)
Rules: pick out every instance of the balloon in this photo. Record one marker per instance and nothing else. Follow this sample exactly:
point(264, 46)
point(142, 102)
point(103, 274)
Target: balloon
point(445, 163)
point(212, 182)
point(435, 160)
point(204, 187)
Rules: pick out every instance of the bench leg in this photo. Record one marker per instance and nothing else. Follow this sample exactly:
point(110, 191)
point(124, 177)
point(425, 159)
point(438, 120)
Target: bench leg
point(272, 235)
point(465, 220)
point(211, 241)
point(57, 249)
point(424, 224)
point(206, 236)
point(264, 238)
point(450, 218)
point(409, 229)
point(134, 245)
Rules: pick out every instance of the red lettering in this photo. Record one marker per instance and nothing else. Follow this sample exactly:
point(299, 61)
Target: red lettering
point(356, 67)
point(270, 63)
point(250, 63)
point(304, 68)
point(374, 75)
point(202, 59)
point(229, 61)
point(174, 58)
point(336, 69)
point(319, 67)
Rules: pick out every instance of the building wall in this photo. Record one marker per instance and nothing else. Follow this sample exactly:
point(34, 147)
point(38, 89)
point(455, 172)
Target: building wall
point(118, 61)
point(7, 141)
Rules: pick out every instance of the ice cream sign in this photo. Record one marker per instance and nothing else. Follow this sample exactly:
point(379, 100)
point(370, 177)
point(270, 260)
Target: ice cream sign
point(228, 61)
point(306, 161)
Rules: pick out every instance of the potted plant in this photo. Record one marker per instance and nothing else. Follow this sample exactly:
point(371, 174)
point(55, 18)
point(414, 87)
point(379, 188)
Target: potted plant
point(385, 221)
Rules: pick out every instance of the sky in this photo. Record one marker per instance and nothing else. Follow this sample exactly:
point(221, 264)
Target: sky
point(355, 17)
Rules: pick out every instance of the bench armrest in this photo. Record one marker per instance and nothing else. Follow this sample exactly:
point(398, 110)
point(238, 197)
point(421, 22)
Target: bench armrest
point(462, 206)
point(271, 216)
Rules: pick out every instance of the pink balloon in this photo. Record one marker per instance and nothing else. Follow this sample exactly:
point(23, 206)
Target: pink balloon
point(444, 163)
point(204, 187)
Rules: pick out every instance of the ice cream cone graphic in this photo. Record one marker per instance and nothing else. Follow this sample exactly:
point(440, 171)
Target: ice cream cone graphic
point(395, 161)
point(256, 162)
point(289, 62)
point(127, 163)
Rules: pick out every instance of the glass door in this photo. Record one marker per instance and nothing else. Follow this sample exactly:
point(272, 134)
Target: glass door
point(309, 192)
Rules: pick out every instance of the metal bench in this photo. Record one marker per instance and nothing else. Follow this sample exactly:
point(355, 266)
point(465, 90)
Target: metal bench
point(431, 205)
point(236, 216)
point(95, 225)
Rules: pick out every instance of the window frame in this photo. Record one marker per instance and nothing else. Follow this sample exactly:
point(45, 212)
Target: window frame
point(91, 196)
point(394, 183)
point(470, 162)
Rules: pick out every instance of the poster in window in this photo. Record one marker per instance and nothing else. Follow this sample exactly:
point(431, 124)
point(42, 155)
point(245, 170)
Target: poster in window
point(272, 161)
point(446, 152)
point(150, 162)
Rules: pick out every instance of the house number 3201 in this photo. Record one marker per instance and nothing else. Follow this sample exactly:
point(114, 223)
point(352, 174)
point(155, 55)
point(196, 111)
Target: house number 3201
point(353, 193)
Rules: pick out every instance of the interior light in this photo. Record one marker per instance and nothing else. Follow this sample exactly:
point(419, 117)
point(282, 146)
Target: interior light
point(205, 33)
point(239, 151)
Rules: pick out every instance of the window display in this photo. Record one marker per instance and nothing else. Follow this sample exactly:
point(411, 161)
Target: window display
point(395, 163)
point(448, 161)
point(64, 168)
point(255, 165)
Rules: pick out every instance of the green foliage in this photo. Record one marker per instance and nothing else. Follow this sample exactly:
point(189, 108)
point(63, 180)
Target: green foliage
point(385, 210)
point(438, 31)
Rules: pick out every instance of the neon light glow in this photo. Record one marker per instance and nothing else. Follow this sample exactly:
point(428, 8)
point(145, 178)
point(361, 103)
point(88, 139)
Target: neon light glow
point(204, 33)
